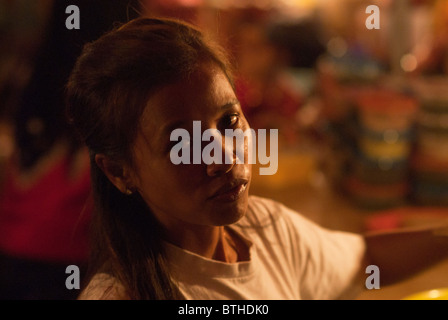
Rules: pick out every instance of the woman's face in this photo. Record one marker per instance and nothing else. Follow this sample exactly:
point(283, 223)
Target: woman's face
point(191, 194)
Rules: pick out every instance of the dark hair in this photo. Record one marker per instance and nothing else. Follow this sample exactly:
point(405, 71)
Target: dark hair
point(106, 95)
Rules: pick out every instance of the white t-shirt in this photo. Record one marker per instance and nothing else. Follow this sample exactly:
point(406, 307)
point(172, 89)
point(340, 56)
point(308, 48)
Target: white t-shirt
point(290, 258)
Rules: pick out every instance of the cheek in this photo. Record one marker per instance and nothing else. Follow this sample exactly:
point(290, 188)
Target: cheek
point(162, 182)
point(175, 193)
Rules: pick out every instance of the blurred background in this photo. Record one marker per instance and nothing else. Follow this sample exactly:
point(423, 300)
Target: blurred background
point(362, 117)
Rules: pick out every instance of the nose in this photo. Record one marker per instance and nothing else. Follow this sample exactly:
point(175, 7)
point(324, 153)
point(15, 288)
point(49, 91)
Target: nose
point(216, 169)
point(226, 164)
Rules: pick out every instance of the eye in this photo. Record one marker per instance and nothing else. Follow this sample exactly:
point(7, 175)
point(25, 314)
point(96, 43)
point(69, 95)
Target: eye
point(231, 120)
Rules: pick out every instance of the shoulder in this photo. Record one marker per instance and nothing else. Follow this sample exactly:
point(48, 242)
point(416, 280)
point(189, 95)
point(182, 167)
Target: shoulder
point(263, 204)
point(264, 212)
point(290, 225)
point(103, 286)
point(261, 212)
point(267, 220)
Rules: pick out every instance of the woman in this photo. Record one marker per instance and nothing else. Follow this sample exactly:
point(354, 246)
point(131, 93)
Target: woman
point(191, 231)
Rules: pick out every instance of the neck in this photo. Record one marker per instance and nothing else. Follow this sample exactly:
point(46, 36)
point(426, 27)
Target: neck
point(212, 242)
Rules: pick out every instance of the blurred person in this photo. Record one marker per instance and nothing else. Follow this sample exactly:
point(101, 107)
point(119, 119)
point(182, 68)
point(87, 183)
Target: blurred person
point(267, 92)
point(45, 202)
point(21, 24)
point(192, 231)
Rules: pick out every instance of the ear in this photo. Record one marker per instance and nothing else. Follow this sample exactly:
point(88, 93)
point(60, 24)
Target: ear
point(116, 172)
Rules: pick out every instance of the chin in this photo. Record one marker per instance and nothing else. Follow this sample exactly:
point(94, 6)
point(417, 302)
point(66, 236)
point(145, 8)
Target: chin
point(229, 212)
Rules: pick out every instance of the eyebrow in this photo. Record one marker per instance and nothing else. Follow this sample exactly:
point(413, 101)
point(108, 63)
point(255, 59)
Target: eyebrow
point(167, 129)
point(230, 104)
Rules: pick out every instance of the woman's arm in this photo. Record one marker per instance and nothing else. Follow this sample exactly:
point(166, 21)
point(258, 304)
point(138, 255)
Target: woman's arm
point(402, 254)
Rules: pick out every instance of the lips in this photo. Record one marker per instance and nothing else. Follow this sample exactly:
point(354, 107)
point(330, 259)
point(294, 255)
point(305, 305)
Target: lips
point(230, 191)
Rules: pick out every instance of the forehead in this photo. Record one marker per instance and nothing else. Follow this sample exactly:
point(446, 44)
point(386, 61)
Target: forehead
point(195, 98)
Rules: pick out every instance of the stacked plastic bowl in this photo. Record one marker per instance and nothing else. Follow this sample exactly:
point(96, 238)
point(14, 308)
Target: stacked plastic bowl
point(430, 159)
point(385, 122)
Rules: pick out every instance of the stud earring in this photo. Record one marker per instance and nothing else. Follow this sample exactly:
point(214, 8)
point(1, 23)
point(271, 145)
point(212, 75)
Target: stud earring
point(128, 192)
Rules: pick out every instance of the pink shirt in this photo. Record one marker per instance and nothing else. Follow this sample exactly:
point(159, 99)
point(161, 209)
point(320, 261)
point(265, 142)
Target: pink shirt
point(48, 219)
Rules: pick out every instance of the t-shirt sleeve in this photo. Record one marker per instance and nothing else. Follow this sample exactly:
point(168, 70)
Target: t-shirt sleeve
point(327, 263)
